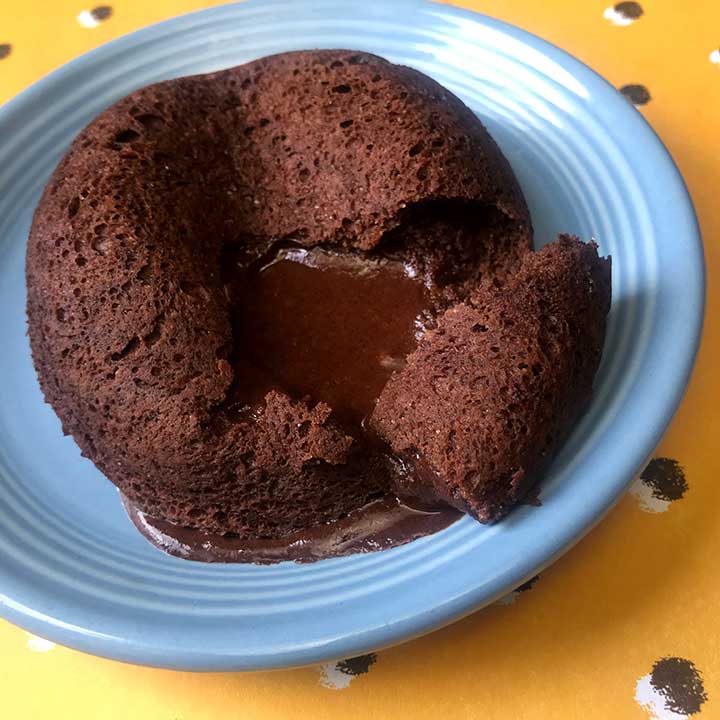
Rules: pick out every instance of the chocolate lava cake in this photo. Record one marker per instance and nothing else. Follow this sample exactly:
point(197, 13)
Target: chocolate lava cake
point(263, 298)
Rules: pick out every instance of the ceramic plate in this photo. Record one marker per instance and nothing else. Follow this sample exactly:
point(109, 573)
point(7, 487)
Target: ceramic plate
point(74, 570)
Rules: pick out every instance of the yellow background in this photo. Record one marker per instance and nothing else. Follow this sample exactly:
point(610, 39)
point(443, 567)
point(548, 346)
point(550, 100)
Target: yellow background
point(640, 587)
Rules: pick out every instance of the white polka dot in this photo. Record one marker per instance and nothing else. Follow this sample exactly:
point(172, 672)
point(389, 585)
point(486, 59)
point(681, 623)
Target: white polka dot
point(38, 644)
point(86, 19)
point(333, 678)
point(617, 18)
point(715, 57)
point(653, 702)
point(647, 501)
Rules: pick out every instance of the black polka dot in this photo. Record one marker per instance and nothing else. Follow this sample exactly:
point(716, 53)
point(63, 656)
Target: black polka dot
point(636, 94)
point(358, 665)
point(101, 12)
point(5, 50)
point(666, 479)
point(629, 10)
point(680, 683)
point(528, 584)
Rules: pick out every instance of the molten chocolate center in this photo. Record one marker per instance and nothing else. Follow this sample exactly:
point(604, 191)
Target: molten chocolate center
point(328, 326)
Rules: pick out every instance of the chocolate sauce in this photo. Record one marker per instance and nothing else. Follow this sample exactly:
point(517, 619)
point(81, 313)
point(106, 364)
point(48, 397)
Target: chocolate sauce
point(377, 526)
point(327, 326)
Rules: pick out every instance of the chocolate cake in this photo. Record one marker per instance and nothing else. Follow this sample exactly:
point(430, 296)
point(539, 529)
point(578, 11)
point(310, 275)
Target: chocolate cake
point(189, 221)
point(489, 395)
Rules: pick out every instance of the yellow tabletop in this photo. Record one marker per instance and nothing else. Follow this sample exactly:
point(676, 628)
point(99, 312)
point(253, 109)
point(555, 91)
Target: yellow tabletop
point(626, 624)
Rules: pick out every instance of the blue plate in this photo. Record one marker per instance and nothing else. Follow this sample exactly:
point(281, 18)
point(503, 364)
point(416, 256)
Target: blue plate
point(74, 570)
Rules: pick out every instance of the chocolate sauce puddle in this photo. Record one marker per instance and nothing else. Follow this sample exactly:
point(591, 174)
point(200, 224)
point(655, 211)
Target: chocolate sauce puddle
point(379, 525)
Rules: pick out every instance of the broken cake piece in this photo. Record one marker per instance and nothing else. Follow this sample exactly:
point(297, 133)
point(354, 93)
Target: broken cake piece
point(489, 395)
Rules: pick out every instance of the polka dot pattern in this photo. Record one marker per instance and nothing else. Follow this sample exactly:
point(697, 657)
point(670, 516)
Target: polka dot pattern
point(623, 13)
point(338, 675)
point(636, 94)
point(660, 484)
point(92, 18)
point(102, 12)
point(673, 690)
